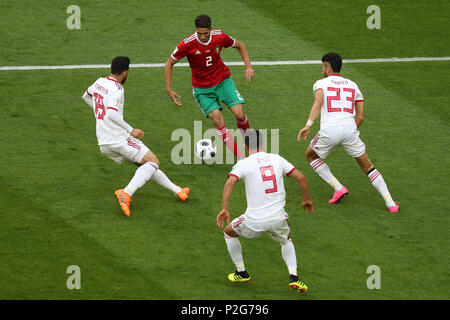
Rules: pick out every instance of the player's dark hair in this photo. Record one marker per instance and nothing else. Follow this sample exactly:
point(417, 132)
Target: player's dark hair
point(253, 140)
point(119, 65)
point(334, 59)
point(203, 21)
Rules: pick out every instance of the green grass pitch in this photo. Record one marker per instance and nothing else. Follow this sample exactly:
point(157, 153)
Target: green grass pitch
point(57, 199)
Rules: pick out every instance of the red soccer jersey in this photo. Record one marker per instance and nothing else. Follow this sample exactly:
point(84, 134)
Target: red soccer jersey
point(204, 59)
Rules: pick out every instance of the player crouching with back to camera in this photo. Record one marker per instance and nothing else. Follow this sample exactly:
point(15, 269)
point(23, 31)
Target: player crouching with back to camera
point(340, 104)
point(264, 187)
point(118, 140)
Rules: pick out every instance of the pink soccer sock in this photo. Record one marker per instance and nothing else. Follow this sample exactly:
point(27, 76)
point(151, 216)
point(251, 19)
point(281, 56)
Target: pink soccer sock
point(243, 125)
point(228, 140)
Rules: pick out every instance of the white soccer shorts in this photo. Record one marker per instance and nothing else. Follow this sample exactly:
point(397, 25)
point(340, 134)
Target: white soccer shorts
point(130, 149)
point(278, 229)
point(329, 138)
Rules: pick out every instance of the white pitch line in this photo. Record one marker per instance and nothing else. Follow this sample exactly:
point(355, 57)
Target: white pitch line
point(236, 63)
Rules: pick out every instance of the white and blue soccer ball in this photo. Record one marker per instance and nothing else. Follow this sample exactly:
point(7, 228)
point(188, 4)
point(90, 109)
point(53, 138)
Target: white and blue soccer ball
point(205, 149)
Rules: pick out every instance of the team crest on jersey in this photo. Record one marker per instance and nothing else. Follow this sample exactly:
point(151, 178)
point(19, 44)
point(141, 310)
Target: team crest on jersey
point(217, 49)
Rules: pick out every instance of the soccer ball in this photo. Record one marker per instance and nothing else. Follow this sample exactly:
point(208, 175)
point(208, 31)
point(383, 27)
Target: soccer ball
point(205, 149)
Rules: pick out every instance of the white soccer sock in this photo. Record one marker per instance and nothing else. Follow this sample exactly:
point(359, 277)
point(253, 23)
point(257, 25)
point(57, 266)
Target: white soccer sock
point(288, 253)
point(142, 175)
point(322, 169)
point(235, 251)
point(161, 178)
point(378, 182)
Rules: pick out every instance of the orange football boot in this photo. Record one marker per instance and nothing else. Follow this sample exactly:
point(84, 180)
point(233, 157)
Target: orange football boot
point(183, 195)
point(124, 201)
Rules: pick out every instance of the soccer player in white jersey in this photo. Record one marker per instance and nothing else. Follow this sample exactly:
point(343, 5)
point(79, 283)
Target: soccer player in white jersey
point(120, 141)
point(340, 104)
point(264, 187)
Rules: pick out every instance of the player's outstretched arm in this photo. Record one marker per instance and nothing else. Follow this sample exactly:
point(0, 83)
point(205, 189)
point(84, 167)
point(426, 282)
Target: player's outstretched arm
point(303, 184)
point(249, 72)
point(314, 113)
point(224, 215)
point(175, 97)
point(359, 117)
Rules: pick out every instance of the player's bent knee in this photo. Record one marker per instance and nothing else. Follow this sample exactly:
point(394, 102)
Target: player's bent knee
point(240, 116)
point(310, 154)
point(238, 112)
point(364, 162)
point(229, 231)
point(307, 156)
point(150, 157)
point(218, 124)
point(215, 114)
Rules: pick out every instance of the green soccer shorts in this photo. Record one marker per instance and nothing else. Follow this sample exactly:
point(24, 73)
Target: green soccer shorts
point(209, 99)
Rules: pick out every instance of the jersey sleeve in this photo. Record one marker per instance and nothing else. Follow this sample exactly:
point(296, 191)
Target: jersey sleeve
point(117, 119)
point(87, 96)
point(286, 166)
point(358, 95)
point(180, 51)
point(237, 172)
point(227, 41)
point(114, 102)
point(90, 91)
point(318, 85)
point(112, 107)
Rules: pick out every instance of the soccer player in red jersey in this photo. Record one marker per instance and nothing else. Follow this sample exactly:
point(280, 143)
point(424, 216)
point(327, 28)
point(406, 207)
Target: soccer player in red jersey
point(211, 78)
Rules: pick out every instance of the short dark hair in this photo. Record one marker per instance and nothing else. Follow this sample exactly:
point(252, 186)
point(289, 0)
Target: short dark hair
point(253, 140)
point(203, 21)
point(119, 65)
point(334, 59)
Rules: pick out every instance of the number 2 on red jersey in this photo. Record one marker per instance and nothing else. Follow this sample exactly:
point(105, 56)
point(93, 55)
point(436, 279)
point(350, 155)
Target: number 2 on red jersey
point(337, 97)
point(269, 177)
point(99, 107)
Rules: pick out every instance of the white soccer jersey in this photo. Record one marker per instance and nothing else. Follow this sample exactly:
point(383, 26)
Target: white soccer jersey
point(264, 186)
point(107, 96)
point(340, 96)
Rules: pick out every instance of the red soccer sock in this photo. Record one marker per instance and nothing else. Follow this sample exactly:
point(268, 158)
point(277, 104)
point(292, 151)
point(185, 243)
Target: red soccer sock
point(228, 140)
point(243, 125)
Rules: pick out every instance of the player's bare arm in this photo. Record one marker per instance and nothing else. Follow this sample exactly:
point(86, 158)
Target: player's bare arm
point(224, 215)
point(315, 111)
point(303, 184)
point(249, 72)
point(359, 117)
point(175, 97)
